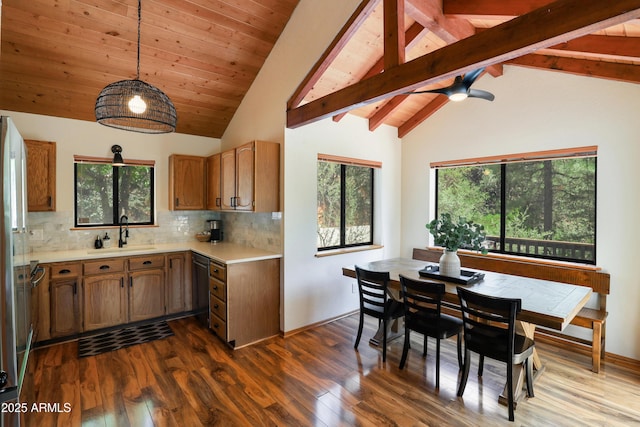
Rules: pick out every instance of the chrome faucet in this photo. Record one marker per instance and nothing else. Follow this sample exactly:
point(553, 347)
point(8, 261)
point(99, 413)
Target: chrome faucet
point(121, 242)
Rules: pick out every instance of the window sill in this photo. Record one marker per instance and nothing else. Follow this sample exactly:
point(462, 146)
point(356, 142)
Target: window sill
point(341, 251)
point(111, 227)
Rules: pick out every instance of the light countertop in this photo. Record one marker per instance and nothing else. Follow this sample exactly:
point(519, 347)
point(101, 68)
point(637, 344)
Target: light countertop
point(228, 253)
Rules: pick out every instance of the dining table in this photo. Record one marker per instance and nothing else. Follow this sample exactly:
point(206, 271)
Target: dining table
point(544, 303)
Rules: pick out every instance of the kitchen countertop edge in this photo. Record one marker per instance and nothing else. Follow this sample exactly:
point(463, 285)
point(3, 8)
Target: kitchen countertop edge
point(228, 253)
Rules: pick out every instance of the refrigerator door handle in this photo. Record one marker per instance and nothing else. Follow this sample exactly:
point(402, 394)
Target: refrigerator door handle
point(36, 281)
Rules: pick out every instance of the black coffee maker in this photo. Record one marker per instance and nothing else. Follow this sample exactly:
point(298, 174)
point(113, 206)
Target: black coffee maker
point(215, 228)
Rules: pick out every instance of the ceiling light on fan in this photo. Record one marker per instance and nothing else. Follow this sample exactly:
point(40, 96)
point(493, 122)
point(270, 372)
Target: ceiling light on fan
point(460, 89)
point(135, 105)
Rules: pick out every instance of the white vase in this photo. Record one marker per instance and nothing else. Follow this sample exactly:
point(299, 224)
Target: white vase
point(450, 264)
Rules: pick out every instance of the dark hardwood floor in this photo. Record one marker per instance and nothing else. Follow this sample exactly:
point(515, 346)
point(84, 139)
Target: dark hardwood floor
point(314, 378)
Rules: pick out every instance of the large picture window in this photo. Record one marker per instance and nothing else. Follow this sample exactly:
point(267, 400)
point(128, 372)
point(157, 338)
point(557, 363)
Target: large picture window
point(345, 203)
point(103, 193)
point(538, 204)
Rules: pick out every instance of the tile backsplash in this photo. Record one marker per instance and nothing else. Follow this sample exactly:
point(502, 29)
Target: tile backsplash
point(258, 230)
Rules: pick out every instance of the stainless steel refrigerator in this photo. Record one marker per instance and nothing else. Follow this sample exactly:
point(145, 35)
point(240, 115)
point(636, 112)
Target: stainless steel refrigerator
point(15, 291)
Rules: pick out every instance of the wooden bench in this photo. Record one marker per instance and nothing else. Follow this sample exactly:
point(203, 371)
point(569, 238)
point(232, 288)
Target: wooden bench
point(591, 318)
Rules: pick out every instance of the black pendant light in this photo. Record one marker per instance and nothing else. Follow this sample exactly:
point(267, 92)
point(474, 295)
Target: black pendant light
point(135, 105)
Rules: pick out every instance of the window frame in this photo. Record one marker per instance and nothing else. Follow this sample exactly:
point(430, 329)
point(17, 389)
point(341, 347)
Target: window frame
point(115, 190)
point(503, 161)
point(344, 162)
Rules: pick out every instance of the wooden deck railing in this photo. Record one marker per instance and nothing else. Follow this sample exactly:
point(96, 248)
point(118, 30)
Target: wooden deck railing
point(548, 248)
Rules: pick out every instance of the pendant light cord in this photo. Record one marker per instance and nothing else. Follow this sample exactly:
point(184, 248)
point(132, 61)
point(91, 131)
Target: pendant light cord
point(139, 16)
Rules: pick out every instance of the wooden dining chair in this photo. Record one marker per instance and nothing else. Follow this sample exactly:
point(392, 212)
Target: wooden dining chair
point(375, 301)
point(422, 314)
point(489, 325)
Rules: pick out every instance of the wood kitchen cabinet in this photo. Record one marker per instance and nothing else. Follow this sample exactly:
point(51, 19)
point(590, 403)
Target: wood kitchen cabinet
point(187, 182)
point(250, 177)
point(244, 301)
point(41, 176)
point(214, 196)
point(146, 287)
point(176, 289)
point(105, 294)
point(65, 309)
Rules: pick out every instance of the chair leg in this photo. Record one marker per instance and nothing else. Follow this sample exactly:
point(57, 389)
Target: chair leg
point(437, 361)
point(359, 331)
point(405, 348)
point(480, 365)
point(529, 373)
point(510, 390)
point(459, 351)
point(384, 341)
point(596, 347)
point(424, 346)
point(465, 372)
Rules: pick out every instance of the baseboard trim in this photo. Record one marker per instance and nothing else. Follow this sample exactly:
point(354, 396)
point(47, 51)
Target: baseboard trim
point(292, 332)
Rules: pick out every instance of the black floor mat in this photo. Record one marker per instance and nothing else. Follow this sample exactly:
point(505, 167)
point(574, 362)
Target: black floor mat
point(121, 338)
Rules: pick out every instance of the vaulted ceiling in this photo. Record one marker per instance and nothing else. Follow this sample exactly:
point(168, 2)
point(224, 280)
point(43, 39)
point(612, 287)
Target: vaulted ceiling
point(56, 55)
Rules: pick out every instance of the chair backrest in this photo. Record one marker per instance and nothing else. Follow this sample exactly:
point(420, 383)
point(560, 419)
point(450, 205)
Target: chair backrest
point(372, 287)
point(489, 323)
point(421, 296)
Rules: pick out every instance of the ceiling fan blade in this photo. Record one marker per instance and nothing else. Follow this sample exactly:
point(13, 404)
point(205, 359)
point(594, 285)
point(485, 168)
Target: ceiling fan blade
point(475, 93)
point(471, 77)
point(444, 91)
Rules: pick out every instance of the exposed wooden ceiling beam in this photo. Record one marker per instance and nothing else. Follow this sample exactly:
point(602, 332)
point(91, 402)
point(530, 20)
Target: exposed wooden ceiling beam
point(412, 36)
point(610, 47)
point(490, 9)
point(429, 14)
point(348, 30)
point(557, 22)
point(583, 67)
point(422, 115)
point(394, 44)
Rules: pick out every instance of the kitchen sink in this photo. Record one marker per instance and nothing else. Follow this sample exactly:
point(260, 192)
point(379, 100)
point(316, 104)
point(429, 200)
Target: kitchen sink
point(120, 250)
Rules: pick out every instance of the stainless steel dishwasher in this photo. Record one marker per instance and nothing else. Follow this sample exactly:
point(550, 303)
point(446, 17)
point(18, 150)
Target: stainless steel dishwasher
point(201, 288)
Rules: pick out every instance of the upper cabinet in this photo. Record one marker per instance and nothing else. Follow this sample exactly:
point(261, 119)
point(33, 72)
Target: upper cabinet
point(187, 182)
point(41, 175)
point(249, 178)
point(214, 198)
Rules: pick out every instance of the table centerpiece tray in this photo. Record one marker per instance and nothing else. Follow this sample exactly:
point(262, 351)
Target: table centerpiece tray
point(467, 277)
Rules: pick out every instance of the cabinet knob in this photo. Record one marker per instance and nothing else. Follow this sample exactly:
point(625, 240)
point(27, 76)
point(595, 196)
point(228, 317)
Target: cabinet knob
point(64, 271)
point(104, 267)
point(215, 288)
point(216, 306)
point(147, 262)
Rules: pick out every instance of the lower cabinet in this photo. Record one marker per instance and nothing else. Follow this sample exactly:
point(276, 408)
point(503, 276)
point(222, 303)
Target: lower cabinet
point(146, 294)
point(176, 289)
point(65, 307)
point(244, 301)
point(105, 301)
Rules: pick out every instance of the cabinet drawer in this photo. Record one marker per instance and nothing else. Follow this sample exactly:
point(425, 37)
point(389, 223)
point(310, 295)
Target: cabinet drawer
point(217, 307)
point(104, 266)
point(219, 271)
point(219, 327)
point(64, 270)
point(143, 262)
point(218, 289)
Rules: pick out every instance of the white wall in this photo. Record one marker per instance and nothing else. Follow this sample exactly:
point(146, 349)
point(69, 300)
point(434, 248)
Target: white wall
point(535, 111)
point(314, 289)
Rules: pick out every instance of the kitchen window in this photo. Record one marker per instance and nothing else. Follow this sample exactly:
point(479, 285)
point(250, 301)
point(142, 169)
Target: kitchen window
point(345, 202)
point(103, 192)
point(539, 205)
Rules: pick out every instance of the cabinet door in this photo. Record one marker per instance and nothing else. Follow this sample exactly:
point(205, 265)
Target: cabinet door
point(228, 179)
point(146, 294)
point(65, 308)
point(104, 301)
point(186, 182)
point(244, 177)
point(214, 201)
point(175, 285)
point(41, 176)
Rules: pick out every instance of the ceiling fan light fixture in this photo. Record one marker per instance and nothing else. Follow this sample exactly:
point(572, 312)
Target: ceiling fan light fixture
point(458, 96)
point(135, 105)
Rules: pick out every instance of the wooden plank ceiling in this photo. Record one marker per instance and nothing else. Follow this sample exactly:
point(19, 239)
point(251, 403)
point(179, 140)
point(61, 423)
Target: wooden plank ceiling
point(56, 55)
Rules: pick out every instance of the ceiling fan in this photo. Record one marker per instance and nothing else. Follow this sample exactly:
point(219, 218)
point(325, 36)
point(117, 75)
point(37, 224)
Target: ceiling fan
point(460, 89)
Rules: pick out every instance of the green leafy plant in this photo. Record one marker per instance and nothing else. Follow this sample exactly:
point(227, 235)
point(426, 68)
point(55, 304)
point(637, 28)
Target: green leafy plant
point(455, 235)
